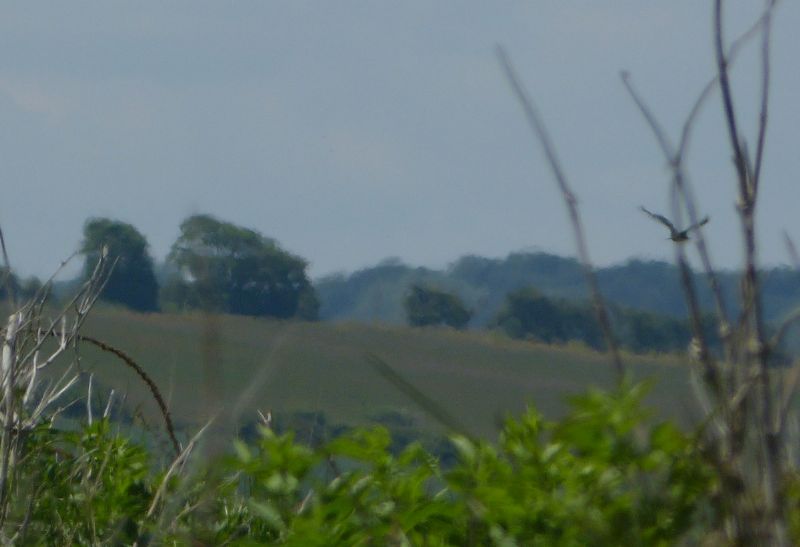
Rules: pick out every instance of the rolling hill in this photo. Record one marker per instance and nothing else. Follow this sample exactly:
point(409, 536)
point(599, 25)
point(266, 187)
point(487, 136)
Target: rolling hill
point(205, 364)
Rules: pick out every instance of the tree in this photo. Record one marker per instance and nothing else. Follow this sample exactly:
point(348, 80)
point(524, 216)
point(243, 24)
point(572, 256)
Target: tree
point(229, 268)
point(132, 281)
point(426, 306)
point(529, 314)
point(8, 283)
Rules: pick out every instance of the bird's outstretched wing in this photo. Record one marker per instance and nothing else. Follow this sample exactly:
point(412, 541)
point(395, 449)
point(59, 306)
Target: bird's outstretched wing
point(663, 220)
point(701, 223)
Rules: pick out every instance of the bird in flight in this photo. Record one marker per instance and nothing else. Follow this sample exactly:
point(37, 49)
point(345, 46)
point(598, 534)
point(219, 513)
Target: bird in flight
point(676, 235)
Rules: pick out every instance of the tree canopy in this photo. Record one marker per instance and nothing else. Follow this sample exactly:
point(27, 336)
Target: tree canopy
point(22, 289)
point(427, 306)
point(237, 270)
point(529, 314)
point(132, 281)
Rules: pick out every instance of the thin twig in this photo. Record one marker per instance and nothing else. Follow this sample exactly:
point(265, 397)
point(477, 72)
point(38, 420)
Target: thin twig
point(107, 411)
point(727, 101)
point(789, 391)
point(758, 350)
point(8, 281)
point(539, 129)
point(430, 406)
point(89, 400)
point(145, 378)
point(792, 250)
point(733, 51)
point(784, 327)
point(9, 362)
point(765, 80)
point(745, 401)
point(176, 463)
point(710, 369)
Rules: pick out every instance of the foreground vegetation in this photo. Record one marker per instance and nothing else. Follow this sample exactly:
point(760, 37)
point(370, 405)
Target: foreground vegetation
point(599, 476)
point(607, 471)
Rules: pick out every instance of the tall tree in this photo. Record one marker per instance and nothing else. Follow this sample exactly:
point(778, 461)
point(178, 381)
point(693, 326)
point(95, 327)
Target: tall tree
point(529, 314)
point(9, 282)
point(237, 270)
point(427, 306)
point(132, 281)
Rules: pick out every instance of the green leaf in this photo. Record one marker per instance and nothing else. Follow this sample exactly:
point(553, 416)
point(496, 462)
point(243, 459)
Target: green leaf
point(242, 451)
point(267, 512)
point(464, 447)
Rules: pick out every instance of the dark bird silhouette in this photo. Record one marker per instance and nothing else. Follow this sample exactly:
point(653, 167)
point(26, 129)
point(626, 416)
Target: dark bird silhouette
point(675, 234)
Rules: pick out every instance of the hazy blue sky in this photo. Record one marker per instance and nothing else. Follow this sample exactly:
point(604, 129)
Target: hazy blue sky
point(354, 130)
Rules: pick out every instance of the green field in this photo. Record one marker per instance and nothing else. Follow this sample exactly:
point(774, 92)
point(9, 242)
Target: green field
point(204, 363)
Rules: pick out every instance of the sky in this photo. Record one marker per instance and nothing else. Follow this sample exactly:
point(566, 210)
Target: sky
point(352, 131)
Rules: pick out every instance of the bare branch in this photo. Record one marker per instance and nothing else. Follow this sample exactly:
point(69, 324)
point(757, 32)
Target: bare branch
point(789, 391)
point(784, 327)
point(539, 129)
point(177, 463)
point(711, 372)
point(727, 101)
point(151, 385)
point(9, 367)
point(89, 400)
point(765, 80)
point(733, 52)
point(433, 408)
point(7, 280)
point(750, 425)
point(107, 411)
point(791, 249)
point(658, 131)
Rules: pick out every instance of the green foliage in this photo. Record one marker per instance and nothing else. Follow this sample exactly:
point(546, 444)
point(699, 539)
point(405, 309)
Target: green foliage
point(590, 479)
point(86, 487)
point(23, 289)
point(229, 268)
point(587, 480)
point(376, 293)
point(641, 332)
point(426, 306)
point(600, 476)
point(529, 314)
point(132, 282)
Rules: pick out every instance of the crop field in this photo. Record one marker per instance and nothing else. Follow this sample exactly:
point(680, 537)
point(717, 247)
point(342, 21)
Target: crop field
point(234, 366)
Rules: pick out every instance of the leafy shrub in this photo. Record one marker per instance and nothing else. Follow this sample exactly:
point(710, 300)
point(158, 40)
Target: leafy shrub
point(600, 476)
point(83, 487)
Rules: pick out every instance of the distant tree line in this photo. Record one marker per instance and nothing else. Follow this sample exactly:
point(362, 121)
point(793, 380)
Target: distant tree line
point(21, 288)
point(484, 284)
point(220, 266)
point(530, 315)
point(213, 265)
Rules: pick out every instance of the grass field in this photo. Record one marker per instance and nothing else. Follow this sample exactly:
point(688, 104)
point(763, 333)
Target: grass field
point(205, 364)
